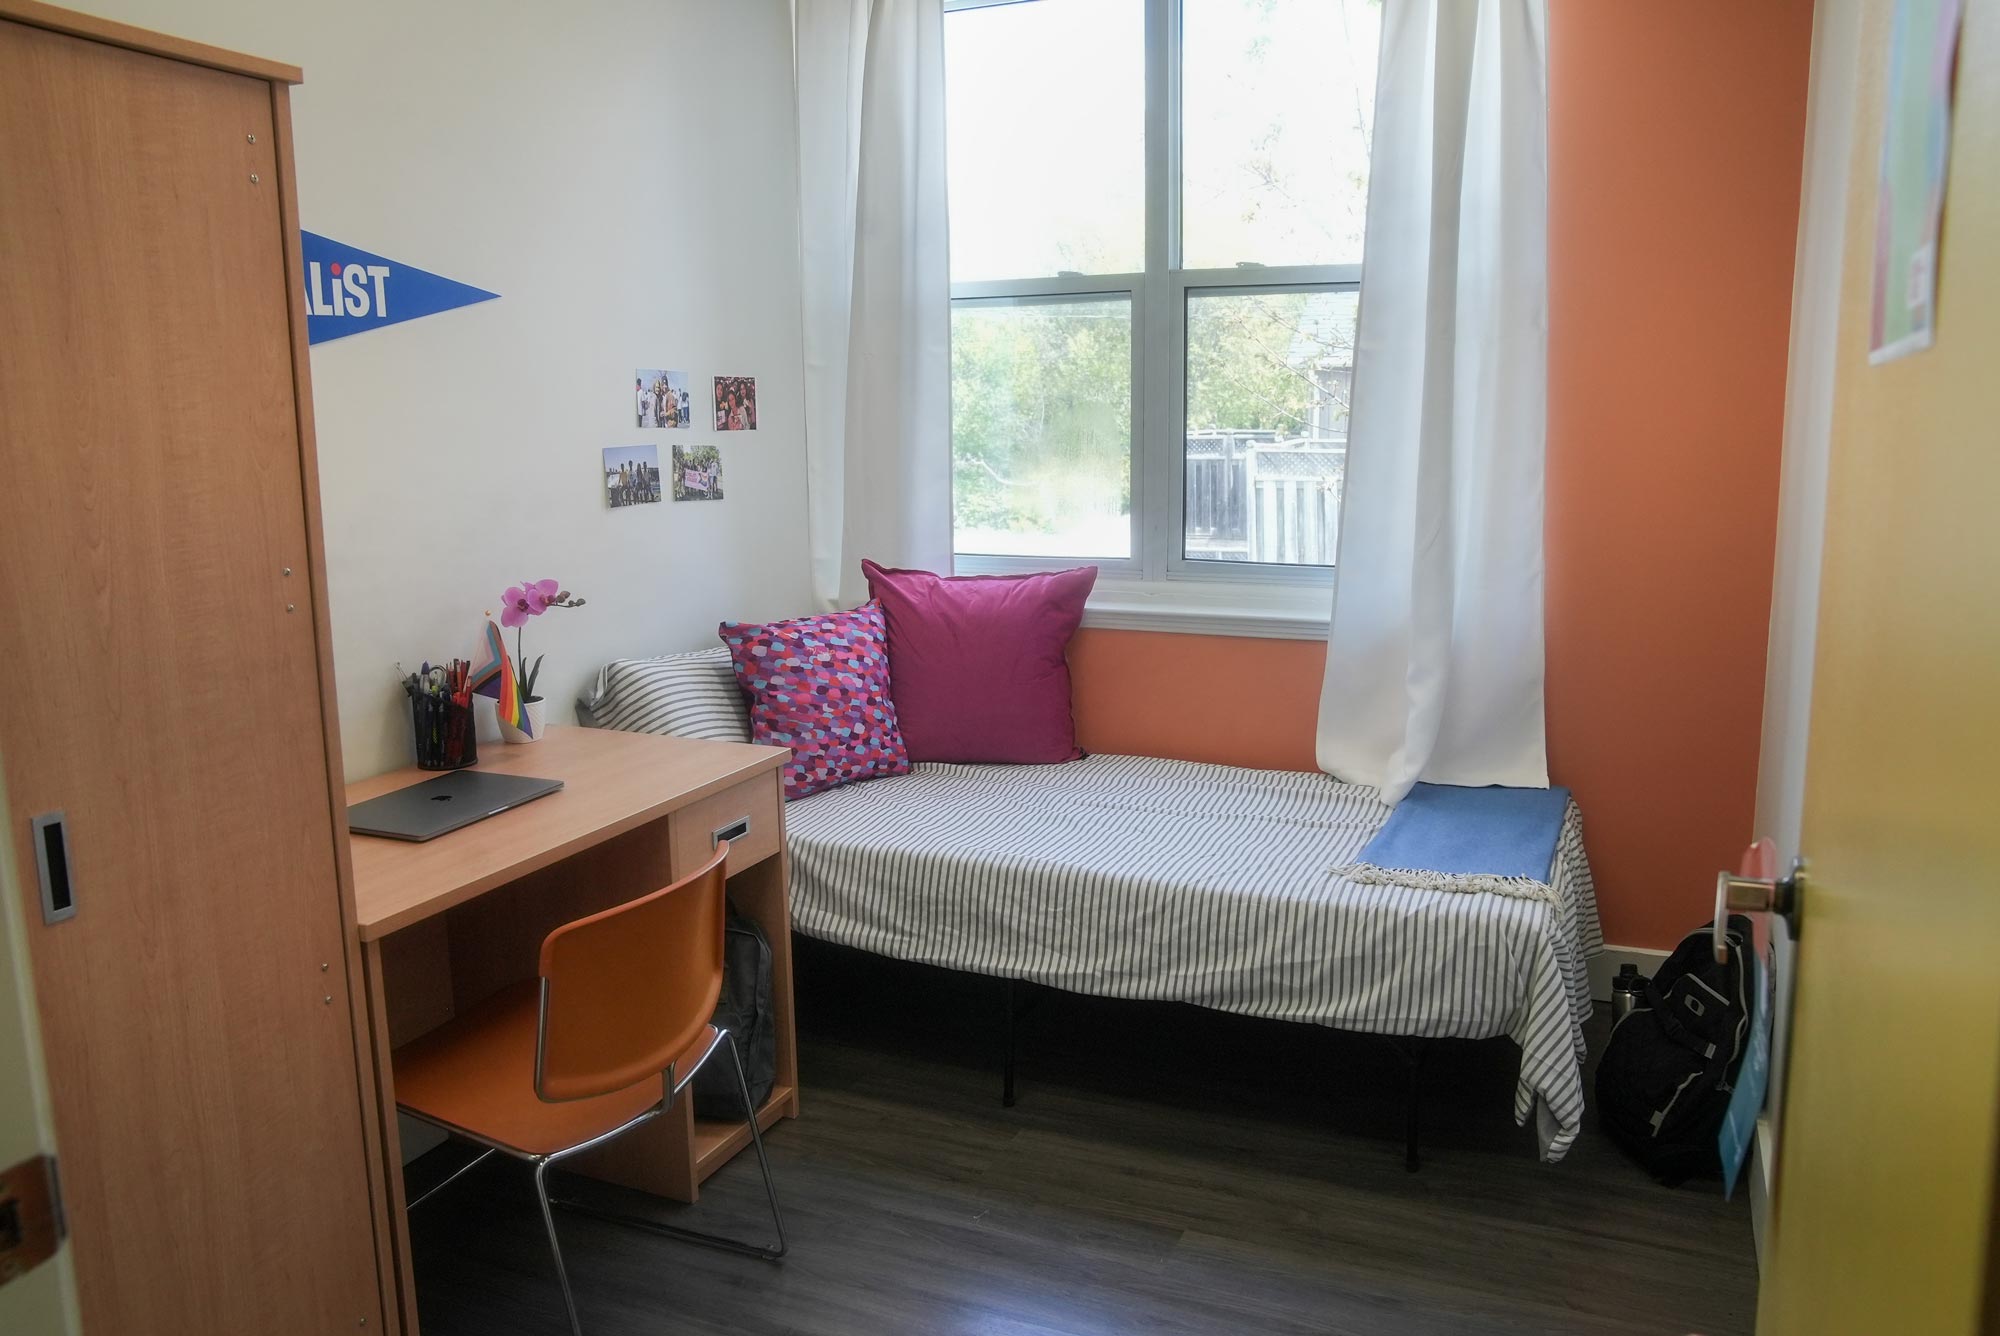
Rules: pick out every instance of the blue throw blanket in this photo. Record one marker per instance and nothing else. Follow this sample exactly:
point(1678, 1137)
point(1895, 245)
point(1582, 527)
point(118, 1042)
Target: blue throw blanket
point(1443, 837)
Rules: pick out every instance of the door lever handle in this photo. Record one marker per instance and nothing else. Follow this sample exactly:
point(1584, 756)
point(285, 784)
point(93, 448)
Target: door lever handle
point(1756, 895)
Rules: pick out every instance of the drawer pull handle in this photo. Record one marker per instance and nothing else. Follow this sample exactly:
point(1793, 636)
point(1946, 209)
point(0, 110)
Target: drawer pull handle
point(735, 830)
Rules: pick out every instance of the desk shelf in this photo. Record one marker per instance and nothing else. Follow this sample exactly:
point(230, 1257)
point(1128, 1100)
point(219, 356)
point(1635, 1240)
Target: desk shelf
point(716, 1142)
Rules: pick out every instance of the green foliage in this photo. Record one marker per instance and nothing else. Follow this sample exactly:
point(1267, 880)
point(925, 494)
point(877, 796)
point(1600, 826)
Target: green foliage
point(1041, 413)
point(1042, 395)
point(1251, 359)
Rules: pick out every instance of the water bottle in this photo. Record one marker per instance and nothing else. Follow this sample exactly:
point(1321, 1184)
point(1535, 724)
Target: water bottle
point(1626, 990)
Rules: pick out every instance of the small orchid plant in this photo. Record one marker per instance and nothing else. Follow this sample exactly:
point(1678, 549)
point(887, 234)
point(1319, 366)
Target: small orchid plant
point(531, 598)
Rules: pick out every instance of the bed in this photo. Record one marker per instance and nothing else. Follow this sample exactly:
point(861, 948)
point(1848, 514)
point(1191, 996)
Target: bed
point(1130, 877)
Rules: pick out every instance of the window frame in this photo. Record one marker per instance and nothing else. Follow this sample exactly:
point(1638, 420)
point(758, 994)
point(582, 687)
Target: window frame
point(1159, 302)
point(1094, 289)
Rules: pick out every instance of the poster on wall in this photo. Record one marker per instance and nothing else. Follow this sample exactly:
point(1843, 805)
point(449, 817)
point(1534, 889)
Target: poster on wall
point(1916, 150)
point(631, 475)
point(736, 403)
point(351, 291)
point(663, 399)
point(697, 473)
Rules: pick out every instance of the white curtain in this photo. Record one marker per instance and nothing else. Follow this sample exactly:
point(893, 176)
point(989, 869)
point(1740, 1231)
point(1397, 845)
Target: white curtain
point(877, 287)
point(1434, 660)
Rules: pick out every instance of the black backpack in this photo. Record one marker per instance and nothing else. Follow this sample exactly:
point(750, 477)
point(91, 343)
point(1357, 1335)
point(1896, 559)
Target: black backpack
point(744, 1009)
point(1666, 1076)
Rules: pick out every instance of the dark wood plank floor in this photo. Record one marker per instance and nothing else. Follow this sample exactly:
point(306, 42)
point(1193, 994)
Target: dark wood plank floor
point(1167, 1170)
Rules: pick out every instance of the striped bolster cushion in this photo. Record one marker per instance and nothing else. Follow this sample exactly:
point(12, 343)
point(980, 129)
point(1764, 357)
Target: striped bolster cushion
point(682, 695)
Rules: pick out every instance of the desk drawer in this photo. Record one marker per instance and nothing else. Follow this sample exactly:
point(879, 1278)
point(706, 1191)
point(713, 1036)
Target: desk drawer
point(747, 816)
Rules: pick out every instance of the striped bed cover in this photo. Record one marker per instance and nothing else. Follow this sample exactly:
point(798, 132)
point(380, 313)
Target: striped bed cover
point(1129, 877)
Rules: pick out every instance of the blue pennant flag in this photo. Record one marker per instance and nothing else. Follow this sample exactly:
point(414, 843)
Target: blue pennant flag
point(349, 290)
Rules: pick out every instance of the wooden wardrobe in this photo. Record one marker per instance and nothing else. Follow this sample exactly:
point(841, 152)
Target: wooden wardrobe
point(168, 740)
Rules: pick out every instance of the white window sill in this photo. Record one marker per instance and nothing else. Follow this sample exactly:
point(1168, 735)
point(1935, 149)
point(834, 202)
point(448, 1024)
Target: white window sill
point(1269, 612)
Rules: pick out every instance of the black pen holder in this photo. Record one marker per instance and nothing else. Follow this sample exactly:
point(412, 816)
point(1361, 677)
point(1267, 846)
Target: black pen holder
point(446, 738)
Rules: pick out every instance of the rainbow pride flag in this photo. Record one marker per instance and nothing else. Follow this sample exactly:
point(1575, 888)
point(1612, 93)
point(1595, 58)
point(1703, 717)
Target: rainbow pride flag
point(496, 679)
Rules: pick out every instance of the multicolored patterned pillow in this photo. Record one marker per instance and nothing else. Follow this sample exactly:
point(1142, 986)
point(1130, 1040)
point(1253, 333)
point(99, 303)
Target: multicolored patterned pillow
point(820, 685)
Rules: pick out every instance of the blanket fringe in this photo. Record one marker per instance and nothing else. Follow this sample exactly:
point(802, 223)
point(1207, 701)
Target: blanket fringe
point(1423, 879)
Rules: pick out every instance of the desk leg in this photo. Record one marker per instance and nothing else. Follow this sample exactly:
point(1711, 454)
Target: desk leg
point(497, 938)
point(685, 1150)
point(657, 1158)
point(391, 1140)
point(670, 1157)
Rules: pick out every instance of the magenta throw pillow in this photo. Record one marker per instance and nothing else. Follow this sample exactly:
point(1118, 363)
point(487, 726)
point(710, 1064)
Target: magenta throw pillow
point(820, 685)
point(977, 662)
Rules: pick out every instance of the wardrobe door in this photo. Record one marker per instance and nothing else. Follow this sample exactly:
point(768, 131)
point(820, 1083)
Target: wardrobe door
point(159, 690)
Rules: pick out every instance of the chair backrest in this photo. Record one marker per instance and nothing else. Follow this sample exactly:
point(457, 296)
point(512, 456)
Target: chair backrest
point(626, 991)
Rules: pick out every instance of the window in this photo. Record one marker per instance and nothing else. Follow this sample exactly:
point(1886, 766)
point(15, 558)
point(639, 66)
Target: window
point(1041, 411)
point(1156, 226)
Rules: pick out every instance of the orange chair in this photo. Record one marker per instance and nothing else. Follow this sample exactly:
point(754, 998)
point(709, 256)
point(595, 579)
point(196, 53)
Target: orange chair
point(603, 1042)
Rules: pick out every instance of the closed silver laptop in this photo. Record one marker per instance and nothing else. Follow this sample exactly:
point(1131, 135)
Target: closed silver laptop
point(437, 806)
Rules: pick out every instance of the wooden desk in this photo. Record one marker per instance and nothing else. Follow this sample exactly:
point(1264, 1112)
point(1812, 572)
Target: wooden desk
point(446, 923)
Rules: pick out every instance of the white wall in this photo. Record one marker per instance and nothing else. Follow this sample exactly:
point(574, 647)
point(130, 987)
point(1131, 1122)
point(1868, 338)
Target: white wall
point(622, 173)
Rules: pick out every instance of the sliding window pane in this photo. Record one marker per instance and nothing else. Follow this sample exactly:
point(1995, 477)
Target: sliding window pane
point(1045, 122)
point(1268, 379)
point(1041, 428)
point(1277, 105)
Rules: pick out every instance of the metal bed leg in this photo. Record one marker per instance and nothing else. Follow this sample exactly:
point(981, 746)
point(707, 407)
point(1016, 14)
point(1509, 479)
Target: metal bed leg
point(1414, 1056)
point(1007, 1060)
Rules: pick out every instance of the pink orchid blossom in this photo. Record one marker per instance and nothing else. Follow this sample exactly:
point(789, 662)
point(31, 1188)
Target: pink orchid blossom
point(530, 598)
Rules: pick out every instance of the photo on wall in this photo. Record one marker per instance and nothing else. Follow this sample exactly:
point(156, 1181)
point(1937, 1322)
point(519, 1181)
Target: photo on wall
point(697, 473)
point(663, 399)
point(631, 475)
point(1916, 158)
point(736, 403)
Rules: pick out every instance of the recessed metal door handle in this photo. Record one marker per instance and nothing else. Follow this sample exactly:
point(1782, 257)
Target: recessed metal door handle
point(1756, 895)
point(732, 832)
point(51, 836)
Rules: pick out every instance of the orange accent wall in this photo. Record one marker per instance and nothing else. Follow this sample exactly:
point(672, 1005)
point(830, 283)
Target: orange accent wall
point(1676, 143)
point(1235, 701)
point(1676, 138)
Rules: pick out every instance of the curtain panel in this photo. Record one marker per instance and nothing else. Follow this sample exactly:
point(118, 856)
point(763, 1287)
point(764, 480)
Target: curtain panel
point(877, 288)
point(1434, 658)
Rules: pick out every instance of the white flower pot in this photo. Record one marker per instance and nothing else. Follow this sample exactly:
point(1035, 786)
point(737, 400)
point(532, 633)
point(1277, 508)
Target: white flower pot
point(514, 736)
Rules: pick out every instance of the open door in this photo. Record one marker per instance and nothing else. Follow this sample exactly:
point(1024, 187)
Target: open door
point(1884, 1192)
point(37, 1289)
point(177, 837)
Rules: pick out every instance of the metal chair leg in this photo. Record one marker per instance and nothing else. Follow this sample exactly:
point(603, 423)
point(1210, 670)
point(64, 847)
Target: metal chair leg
point(757, 1140)
point(765, 1252)
point(449, 1179)
point(555, 1246)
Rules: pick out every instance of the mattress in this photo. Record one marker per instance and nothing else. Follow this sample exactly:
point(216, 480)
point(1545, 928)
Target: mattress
point(1130, 877)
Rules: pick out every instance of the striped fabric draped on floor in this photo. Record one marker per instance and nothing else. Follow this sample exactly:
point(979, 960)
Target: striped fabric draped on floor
point(1129, 877)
